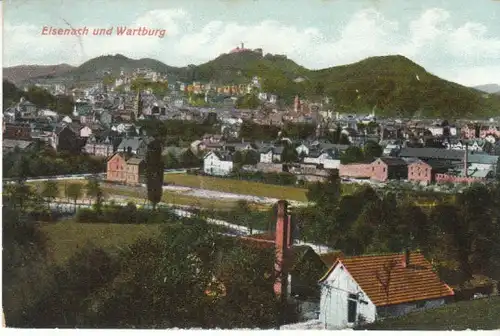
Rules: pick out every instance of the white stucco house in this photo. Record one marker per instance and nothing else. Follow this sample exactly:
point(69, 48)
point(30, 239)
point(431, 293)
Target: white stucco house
point(362, 289)
point(324, 158)
point(217, 163)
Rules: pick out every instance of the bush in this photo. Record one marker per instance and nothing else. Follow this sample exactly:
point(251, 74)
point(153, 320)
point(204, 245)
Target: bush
point(269, 178)
point(128, 214)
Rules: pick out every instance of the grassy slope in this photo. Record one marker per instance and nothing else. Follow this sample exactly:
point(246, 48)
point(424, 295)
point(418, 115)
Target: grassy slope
point(238, 187)
point(66, 237)
point(477, 314)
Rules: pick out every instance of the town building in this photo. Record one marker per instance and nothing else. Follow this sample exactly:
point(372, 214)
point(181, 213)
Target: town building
point(125, 168)
point(362, 289)
point(218, 163)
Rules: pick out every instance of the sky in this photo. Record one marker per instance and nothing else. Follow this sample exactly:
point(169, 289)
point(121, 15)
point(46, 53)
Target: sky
point(458, 40)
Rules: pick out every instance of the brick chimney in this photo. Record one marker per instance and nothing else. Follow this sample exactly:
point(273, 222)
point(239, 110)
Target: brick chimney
point(283, 242)
point(466, 160)
point(405, 260)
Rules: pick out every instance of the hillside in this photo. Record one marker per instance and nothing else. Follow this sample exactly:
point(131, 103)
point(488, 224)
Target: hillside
point(395, 85)
point(392, 85)
point(479, 314)
point(21, 73)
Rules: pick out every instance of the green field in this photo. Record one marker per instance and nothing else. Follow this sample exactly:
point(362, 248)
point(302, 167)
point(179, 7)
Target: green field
point(67, 237)
point(477, 314)
point(238, 186)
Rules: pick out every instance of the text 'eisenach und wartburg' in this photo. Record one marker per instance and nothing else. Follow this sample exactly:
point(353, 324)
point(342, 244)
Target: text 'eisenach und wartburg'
point(119, 31)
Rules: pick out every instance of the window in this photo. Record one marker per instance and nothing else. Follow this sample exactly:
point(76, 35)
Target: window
point(352, 307)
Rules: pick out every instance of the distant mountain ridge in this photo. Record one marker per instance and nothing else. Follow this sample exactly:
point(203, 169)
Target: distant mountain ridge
point(390, 85)
point(489, 88)
point(20, 73)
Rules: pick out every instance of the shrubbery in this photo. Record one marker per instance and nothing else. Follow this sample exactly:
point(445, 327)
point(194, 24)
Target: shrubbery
point(270, 178)
point(128, 214)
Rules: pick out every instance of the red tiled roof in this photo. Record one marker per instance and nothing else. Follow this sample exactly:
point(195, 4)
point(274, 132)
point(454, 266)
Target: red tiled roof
point(412, 283)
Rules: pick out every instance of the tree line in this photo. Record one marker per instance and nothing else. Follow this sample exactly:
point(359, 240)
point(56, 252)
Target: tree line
point(45, 161)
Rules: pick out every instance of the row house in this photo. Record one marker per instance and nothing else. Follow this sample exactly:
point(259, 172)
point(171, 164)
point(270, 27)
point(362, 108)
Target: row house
point(125, 168)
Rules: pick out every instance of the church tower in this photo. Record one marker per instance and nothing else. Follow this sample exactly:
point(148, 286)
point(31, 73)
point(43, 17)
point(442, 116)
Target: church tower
point(296, 105)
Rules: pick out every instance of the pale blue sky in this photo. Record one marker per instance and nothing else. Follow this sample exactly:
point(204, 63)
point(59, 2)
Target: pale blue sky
point(455, 39)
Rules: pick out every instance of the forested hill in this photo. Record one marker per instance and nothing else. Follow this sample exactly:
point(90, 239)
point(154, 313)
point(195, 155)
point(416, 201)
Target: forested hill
point(391, 85)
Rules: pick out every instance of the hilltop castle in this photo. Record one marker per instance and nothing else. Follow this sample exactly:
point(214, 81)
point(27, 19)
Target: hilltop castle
point(242, 48)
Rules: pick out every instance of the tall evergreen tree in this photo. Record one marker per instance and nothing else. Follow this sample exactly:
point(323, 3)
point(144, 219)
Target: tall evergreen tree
point(154, 172)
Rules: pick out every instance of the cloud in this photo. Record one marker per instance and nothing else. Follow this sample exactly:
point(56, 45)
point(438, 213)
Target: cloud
point(466, 52)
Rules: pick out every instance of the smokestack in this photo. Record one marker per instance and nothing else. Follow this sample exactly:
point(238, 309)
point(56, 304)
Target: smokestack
point(406, 258)
point(283, 236)
point(466, 160)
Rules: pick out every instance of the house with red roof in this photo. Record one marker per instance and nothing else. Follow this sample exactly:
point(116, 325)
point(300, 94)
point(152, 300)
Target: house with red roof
point(361, 289)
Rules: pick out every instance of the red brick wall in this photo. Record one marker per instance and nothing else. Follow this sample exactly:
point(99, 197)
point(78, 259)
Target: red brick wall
point(116, 169)
point(420, 172)
point(379, 171)
point(356, 170)
point(443, 178)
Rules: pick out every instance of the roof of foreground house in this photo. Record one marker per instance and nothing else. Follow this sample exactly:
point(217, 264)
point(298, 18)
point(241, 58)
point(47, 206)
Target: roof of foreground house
point(415, 282)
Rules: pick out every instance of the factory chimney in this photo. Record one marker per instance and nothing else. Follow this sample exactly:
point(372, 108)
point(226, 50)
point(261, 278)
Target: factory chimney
point(466, 160)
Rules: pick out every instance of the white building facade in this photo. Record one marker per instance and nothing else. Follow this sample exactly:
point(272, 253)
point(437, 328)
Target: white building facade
point(214, 164)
